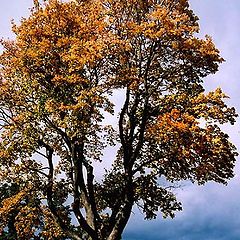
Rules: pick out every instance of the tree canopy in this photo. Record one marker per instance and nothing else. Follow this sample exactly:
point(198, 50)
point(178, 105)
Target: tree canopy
point(57, 84)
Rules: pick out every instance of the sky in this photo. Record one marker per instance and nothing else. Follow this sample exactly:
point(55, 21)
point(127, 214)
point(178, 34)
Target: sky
point(210, 212)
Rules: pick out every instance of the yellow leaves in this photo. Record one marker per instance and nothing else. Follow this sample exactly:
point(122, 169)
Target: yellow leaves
point(204, 47)
point(80, 52)
point(11, 203)
point(162, 23)
point(26, 220)
point(28, 216)
point(172, 125)
point(159, 13)
point(71, 78)
point(51, 105)
point(61, 33)
point(208, 48)
point(212, 107)
point(58, 77)
point(4, 154)
point(216, 141)
point(158, 20)
point(188, 148)
point(51, 230)
point(175, 45)
point(127, 76)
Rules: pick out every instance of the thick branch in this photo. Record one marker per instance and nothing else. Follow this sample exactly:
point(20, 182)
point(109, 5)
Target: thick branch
point(60, 131)
point(49, 153)
point(51, 205)
point(124, 213)
point(121, 119)
point(91, 194)
point(80, 190)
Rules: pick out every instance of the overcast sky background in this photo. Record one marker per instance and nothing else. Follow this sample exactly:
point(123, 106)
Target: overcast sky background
point(211, 212)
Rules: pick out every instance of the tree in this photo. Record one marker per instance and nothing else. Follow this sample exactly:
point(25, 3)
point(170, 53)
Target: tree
point(57, 81)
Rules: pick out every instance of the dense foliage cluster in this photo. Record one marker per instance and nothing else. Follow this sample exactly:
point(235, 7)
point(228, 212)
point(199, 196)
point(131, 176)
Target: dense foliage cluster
point(56, 85)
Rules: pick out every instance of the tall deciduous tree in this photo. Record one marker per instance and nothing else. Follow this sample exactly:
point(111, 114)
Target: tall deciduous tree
point(57, 79)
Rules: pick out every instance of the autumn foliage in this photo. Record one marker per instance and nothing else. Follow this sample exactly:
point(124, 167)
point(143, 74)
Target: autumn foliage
point(58, 82)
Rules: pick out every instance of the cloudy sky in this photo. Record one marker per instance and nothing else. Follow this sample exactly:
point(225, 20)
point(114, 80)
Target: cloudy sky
point(211, 212)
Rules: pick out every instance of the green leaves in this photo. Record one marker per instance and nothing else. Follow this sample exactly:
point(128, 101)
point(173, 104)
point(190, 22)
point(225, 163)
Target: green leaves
point(152, 198)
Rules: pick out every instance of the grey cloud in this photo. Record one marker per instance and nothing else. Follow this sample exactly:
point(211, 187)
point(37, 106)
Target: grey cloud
point(210, 212)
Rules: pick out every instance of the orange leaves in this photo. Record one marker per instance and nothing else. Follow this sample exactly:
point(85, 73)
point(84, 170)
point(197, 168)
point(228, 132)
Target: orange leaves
point(188, 149)
point(173, 120)
point(28, 216)
point(26, 221)
point(51, 230)
point(163, 22)
point(50, 66)
point(62, 34)
point(212, 107)
point(11, 203)
point(172, 23)
point(172, 126)
point(57, 82)
point(205, 48)
point(4, 154)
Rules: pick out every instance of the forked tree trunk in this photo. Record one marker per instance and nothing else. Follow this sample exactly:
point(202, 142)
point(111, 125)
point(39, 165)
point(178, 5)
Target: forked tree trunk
point(123, 218)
